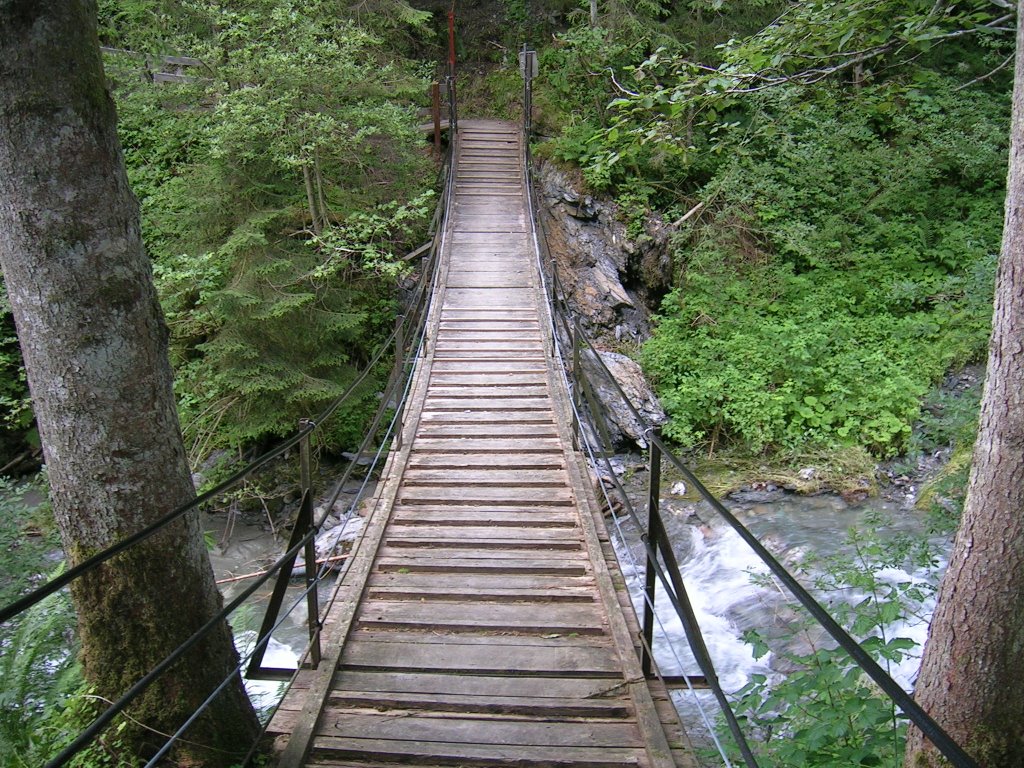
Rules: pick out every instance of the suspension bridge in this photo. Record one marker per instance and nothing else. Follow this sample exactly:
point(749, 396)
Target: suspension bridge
point(482, 621)
point(482, 618)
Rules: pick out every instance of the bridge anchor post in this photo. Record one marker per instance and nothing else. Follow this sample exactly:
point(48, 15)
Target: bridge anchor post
point(654, 534)
point(305, 524)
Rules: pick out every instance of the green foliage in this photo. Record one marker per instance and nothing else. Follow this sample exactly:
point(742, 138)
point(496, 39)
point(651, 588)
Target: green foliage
point(949, 422)
point(278, 189)
point(15, 407)
point(60, 725)
point(845, 265)
point(38, 668)
point(824, 712)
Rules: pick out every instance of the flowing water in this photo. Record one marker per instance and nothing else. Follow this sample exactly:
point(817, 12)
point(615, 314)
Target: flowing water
point(731, 589)
point(727, 584)
point(242, 556)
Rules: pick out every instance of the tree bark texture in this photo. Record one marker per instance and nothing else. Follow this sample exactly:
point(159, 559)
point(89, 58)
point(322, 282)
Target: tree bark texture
point(95, 348)
point(972, 673)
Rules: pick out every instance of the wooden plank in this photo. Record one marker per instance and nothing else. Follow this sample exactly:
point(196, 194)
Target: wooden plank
point(504, 346)
point(524, 460)
point(570, 659)
point(449, 390)
point(470, 559)
point(487, 280)
point(506, 542)
point(480, 686)
point(540, 478)
point(476, 312)
point(488, 405)
point(494, 595)
point(511, 297)
point(472, 495)
point(439, 615)
point(489, 564)
point(472, 755)
point(538, 445)
point(456, 730)
point(486, 417)
point(468, 377)
point(492, 430)
point(494, 518)
point(474, 327)
point(413, 703)
point(463, 368)
point(486, 582)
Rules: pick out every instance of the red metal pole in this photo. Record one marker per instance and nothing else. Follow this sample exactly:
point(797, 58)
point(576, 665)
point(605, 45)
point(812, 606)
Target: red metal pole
point(451, 42)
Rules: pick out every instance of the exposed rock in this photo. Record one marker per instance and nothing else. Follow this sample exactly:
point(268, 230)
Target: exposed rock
point(328, 543)
point(627, 373)
point(611, 281)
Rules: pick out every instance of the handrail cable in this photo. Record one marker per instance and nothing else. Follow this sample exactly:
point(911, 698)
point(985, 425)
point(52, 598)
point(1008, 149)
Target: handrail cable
point(678, 598)
point(104, 719)
point(950, 749)
point(59, 582)
point(324, 570)
point(421, 300)
point(943, 742)
point(554, 317)
point(636, 569)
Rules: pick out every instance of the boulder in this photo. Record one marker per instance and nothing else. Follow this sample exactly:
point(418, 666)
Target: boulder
point(623, 425)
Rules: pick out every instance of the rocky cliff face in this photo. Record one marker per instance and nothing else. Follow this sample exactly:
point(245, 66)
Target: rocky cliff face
point(611, 284)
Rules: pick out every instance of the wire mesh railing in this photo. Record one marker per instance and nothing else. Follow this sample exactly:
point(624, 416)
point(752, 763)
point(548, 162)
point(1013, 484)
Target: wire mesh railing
point(591, 432)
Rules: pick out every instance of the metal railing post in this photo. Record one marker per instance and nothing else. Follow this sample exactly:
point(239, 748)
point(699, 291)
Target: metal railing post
point(654, 536)
point(397, 374)
point(305, 525)
point(435, 112)
point(577, 399)
point(453, 118)
point(697, 646)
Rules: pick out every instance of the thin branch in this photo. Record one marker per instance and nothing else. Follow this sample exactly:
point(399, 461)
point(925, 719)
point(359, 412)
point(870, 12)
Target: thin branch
point(620, 86)
point(975, 81)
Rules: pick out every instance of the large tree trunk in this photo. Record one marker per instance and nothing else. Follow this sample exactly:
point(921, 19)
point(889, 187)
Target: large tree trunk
point(95, 348)
point(972, 673)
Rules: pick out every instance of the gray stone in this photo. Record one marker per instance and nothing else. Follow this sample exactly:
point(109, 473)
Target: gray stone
point(611, 281)
point(623, 424)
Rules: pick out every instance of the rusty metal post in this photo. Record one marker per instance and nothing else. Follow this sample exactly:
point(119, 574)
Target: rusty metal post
point(652, 537)
point(451, 43)
point(435, 111)
point(305, 522)
point(396, 375)
point(453, 119)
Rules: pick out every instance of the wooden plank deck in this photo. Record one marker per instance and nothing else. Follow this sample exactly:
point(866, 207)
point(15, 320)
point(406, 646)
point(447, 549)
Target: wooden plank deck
point(483, 620)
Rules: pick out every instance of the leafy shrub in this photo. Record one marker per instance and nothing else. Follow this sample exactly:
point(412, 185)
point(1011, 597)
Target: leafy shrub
point(277, 191)
point(845, 266)
point(38, 667)
point(824, 712)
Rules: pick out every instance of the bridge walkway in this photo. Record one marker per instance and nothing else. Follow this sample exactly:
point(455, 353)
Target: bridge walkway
point(483, 620)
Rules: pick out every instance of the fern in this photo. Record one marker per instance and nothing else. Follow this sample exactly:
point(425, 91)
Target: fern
point(38, 670)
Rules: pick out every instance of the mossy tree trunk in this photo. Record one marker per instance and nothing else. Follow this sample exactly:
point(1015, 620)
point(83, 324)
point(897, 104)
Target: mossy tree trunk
point(95, 348)
point(972, 672)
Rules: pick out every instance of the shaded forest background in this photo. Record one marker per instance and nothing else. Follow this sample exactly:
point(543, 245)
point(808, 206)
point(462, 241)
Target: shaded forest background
point(831, 174)
point(846, 163)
